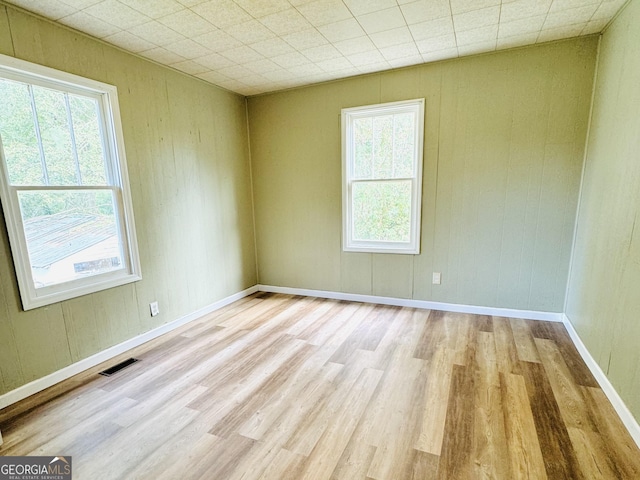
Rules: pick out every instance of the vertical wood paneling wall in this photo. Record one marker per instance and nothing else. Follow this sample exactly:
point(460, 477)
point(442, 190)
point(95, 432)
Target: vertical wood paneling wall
point(187, 151)
point(603, 301)
point(504, 145)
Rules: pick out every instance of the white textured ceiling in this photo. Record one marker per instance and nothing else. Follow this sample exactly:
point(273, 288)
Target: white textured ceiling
point(256, 46)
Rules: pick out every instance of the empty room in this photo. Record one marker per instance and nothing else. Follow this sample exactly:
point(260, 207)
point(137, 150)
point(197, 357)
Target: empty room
point(319, 239)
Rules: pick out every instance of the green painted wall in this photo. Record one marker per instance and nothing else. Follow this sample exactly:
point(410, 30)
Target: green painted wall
point(603, 302)
point(504, 141)
point(187, 150)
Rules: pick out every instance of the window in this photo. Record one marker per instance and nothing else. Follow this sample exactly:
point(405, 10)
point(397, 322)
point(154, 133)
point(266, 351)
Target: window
point(382, 177)
point(63, 184)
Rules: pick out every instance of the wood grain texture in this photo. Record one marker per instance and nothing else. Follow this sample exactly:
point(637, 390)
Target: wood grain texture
point(277, 387)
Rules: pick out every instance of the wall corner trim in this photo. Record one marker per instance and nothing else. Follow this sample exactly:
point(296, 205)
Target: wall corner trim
point(69, 371)
point(619, 406)
point(424, 304)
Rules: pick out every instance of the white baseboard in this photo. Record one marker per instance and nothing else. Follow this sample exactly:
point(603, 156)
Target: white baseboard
point(40, 384)
point(402, 302)
point(620, 407)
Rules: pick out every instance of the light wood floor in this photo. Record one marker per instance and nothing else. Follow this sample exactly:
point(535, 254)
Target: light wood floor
point(281, 387)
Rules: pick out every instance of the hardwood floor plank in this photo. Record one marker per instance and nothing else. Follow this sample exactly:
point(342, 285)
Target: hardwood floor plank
point(490, 451)
point(455, 460)
point(506, 350)
point(522, 439)
point(525, 346)
point(424, 466)
point(567, 393)
point(557, 450)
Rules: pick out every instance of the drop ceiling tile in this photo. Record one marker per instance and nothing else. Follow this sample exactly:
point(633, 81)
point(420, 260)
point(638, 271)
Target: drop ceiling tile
point(217, 40)
point(382, 20)
point(254, 80)
point(392, 37)
point(260, 8)
point(569, 17)
point(52, 9)
point(568, 4)
point(187, 23)
point(400, 51)
point(157, 33)
point(242, 55)
point(355, 45)
point(189, 3)
point(476, 19)
point(461, 6)
point(475, 48)
point(366, 58)
point(154, 8)
point(77, 4)
point(213, 77)
point(523, 9)
point(222, 13)
point(343, 30)
point(425, 10)
point(321, 53)
point(162, 55)
point(478, 35)
point(432, 28)
point(443, 42)
point(305, 39)
point(438, 55)
point(188, 49)
point(262, 66)
point(306, 70)
point(90, 24)
point(522, 26)
point(214, 61)
point(406, 61)
point(360, 7)
point(249, 32)
point(190, 67)
point(272, 47)
point(549, 35)
point(277, 75)
point(335, 64)
point(129, 42)
point(594, 26)
point(285, 22)
point(291, 59)
point(235, 71)
point(232, 85)
point(373, 67)
point(323, 12)
point(608, 9)
point(118, 14)
point(517, 40)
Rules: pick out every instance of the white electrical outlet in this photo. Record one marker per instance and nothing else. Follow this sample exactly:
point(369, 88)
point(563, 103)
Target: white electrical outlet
point(437, 277)
point(155, 309)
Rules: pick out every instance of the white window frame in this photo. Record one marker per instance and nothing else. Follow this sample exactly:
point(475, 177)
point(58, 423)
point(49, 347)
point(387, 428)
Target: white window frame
point(111, 126)
point(349, 243)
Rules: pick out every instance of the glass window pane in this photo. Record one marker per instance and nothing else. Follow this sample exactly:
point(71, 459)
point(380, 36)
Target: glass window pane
point(17, 131)
point(56, 136)
point(403, 145)
point(382, 211)
point(382, 146)
point(363, 147)
point(70, 234)
point(84, 112)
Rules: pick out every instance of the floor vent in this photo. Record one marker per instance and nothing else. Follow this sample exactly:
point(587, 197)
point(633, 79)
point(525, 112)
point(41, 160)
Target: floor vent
point(116, 368)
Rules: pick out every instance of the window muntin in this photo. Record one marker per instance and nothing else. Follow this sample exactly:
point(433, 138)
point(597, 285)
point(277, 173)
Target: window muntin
point(382, 177)
point(64, 184)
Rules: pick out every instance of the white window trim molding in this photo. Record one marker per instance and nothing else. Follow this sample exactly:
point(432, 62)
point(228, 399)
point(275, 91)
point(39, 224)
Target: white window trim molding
point(349, 244)
point(114, 142)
